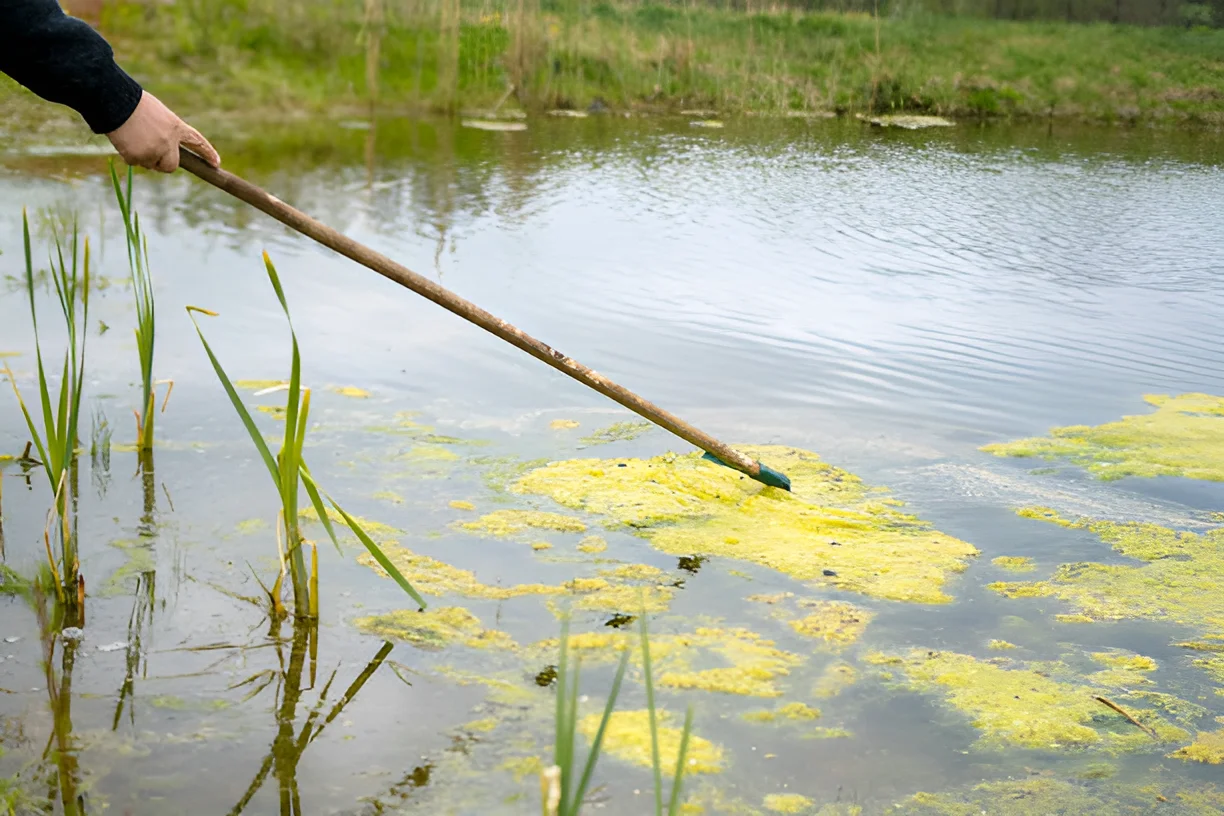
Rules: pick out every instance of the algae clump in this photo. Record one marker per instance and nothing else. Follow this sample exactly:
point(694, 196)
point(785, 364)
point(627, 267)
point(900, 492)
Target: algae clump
point(832, 529)
point(834, 622)
point(1024, 797)
point(786, 803)
point(1026, 708)
point(834, 680)
point(628, 738)
point(504, 523)
point(435, 628)
point(617, 432)
point(790, 711)
point(1014, 563)
point(1184, 436)
point(1178, 582)
point(1208, 747)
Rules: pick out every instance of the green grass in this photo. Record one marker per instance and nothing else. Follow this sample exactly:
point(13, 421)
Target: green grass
point(142, 289)
point(259, 58)
point(563, 791)
point(54, 428)
point(289, 473)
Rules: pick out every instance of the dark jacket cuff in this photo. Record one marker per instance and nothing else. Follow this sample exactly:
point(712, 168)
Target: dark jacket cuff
point(108, 111)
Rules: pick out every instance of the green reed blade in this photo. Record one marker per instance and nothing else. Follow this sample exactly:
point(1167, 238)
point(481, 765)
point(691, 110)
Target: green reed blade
point(316, 501)
point(377, 553)
point(654, 726)
point(597, 742)
point(243, 414)
point(564, 728)
point(673, 806)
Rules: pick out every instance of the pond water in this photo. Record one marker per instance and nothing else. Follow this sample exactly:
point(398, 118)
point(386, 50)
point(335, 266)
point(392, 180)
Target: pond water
point(892, 301)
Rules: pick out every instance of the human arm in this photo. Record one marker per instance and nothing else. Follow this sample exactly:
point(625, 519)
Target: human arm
point(63, 60)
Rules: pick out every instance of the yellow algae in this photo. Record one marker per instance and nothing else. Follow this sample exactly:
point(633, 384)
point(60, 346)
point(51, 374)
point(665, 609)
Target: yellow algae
point(628, 738)
point(1025, 707)
point(523, 767)
point(827, 733)
point(835, 679)
point(350, 391)
point(389, 496)
point(563, 424)
point(435, 628)
point(430, 576)
point(617, 432)
point(1124, 660)
point(260, 385)
point(275, 411)
point(1176, 580)
point(1014, 563)
point(483, 726)
point(786, 803)
point(597, 595)
point(832, 529)
point(1184, 436)
point(790, 711)
point(751, 666)
point(1209, 643)
point(1023, 797)
point(775, 598)
point(1073, 618)
point(512, 522)
point(592, 544)
point(458, 504)
point(834, 622)
point(1001, 645)
point(1214, 666)
point(1207, 747)
point(429, 453)
point(251, 525)
point(382, 533)
point(633, 572)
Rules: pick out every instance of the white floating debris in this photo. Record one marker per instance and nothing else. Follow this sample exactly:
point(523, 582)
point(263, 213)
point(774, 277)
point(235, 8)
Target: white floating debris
point(113, 647)
point(493, 124)
point(572, 114)
point(909, 122)
point(12, 639)
point(271, 390)
point(73, 633)
point(707, 123)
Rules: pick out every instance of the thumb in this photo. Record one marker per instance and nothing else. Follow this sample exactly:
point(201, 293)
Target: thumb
point(194, 141)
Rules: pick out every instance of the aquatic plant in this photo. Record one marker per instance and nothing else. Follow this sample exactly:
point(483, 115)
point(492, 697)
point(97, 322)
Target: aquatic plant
point(562, 792)
point(142, 290)
point(59, 437)
point(289, 471)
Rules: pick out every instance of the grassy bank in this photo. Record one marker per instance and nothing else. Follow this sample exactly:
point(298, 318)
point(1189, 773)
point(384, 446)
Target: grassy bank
point(270, 56)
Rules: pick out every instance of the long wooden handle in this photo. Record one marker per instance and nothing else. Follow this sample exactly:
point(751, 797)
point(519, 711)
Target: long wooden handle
point(330, 238)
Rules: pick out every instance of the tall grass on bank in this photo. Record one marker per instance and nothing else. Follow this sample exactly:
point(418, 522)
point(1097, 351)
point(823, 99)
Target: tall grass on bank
point(562, 791)
point(142, 290)
point(55, 432)
point(289, 473)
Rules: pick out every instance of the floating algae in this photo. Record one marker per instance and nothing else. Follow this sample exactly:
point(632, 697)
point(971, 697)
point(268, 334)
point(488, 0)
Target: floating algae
point(1026, 708)
point(832, 529)
point(617, 432)
point(350, 391)
point(389, 496)
point(834, 622)
point(592, 544)
point(628, 738)
point(260, 385)
point(381, 533)
point(1208, 747)
point(791, 711)
point(1183, 437)
point(835, 679)
point(1000, 645)
point(435, 628)
point(563, 424)
point(751, 666)
point(1179, 581)
point(1024, 797)
point(1014, 563)
point(459, 504)
point(505, 523)
point(786, 803)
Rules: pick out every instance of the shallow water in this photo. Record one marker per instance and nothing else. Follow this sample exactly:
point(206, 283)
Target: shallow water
point(892, 301)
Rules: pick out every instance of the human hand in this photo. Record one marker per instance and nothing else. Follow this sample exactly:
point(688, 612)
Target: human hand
point(151, 137)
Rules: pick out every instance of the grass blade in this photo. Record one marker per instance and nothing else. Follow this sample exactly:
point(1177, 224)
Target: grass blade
point(316, 501)
point(243, 414)
point(564, 732)
point(654, 726)
point(673, 805)
point(378, 554)
point(597, 742)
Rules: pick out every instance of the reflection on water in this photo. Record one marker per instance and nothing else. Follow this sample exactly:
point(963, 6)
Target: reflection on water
point(891, 300)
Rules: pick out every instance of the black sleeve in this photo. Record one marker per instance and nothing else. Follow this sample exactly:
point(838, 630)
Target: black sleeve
point(63, 60)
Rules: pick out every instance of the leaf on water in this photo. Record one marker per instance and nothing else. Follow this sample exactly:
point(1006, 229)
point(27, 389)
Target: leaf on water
point(494, 125)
